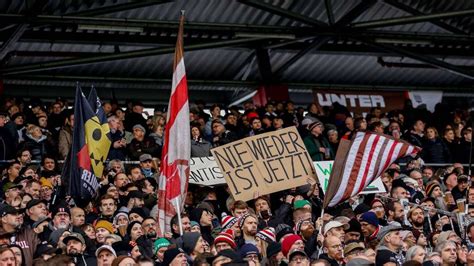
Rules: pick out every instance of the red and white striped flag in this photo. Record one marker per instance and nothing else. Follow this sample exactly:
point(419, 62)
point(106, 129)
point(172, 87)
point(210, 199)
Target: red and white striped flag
point(359, 161)
point(174, 172)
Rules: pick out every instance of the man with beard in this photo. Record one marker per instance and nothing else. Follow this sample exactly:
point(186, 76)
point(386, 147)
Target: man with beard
point(35, 210)
point(185, 223)
point(12, 193)
point(417, 220)
point(16, 234)
point(264, 213)
point(149, 228)
point(248, 226)
point(395, 212)
point(75, 248)
point(305, 229)
point(61, 218)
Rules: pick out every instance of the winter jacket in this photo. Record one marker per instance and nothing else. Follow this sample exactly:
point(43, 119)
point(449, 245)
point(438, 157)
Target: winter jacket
point(435, 151)
point(147, 145)
point(200, 148)
point(116, 153)
point(27, 239)
point(331, 261)
point(38, 147)
point(313, 144)
point(84, 260)
point(65, 141)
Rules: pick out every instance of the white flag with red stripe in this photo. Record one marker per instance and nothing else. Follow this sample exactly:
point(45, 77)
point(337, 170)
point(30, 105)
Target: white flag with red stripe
point(176, 153)
point(360, 161)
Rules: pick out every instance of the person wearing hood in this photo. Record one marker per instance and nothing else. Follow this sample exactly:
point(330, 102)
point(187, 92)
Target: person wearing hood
point(37, 143)
point(193, 244)
point(204, 218)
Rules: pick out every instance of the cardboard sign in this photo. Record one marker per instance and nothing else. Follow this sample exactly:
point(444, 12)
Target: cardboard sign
point(205, 171)
point(265, 163)
point(323, 171)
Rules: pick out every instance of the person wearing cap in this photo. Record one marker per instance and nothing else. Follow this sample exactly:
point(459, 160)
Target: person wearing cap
point(142, 144)
point(11, 226)
point(225, 240)
point(248, 227)
point(390, 243)
point(352, 250)
point(220, 135)
point(193, 244)
point(249, 252)
point(35, 210)
point(146, 165)
point(369, 224)
point(46, 191)
point(335, 228)
point(175, 257)
point(354, 231)
point(105, 255)
point(61, 217)
point(317, 144)
point(103, 229)
point(298, 257)
point(76, 247)
point(333, 251)
point(461, 189)
point(12, 193)
point(160, 246)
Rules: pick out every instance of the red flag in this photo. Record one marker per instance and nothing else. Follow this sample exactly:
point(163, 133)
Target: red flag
point(360, 161)
point(174, 172)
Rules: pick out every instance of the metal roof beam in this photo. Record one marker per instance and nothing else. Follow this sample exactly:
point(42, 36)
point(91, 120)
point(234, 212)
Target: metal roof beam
point(355, 12)
point(118, 8)
point(28, 68)
point(230, 83)
point(283, 12)
point(416, 12)
point(316, 44)
point(411, 19)
point(329, 11)
point(425, 59)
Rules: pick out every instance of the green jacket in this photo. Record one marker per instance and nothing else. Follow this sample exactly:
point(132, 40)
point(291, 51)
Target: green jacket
point(313, 144)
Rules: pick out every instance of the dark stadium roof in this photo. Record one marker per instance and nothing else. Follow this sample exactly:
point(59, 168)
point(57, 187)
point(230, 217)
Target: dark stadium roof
point(125, 47)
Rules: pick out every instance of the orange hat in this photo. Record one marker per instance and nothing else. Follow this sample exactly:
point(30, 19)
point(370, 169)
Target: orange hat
point(46, 183)
point(106, 225)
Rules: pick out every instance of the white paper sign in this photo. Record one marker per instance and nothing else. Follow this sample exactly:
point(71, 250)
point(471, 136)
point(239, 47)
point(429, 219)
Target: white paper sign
point(323, 171)
point(205, 172)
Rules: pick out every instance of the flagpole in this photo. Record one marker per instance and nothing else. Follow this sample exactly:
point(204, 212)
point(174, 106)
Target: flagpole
point(178, 210)
point(320, 230)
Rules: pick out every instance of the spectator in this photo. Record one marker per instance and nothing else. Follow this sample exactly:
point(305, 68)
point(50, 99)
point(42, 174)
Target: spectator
point(199, 146)
point(434, 149)
point(37, 143)
point(142, 144)
point(65, 136)
point(317, 145)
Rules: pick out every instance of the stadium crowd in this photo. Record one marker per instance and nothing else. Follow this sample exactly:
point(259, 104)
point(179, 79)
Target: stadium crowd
point(423, 219)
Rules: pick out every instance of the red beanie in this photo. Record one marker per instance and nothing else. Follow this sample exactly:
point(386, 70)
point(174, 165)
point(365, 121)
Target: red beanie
point(288, 242)
point(226, 236)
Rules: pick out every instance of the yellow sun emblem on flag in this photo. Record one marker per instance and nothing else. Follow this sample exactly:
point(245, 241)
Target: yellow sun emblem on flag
point(98, 144)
